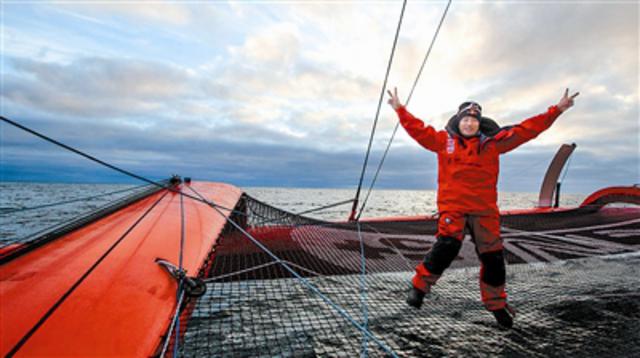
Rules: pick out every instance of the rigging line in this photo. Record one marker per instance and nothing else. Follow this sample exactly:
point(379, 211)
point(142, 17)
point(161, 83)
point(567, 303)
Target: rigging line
point(173, 323)
point(314, 222)
point(92, 158)
point(204, 200)
point(566, 169)
point(180, 292)
point(328, 206)
point(52, 232)
point(271, 263)
point(395, 129)
point(239, 272)
point(306, 283)
point(9, 211)
point(329, 278)
point(282, 212)
point(375, 121)
point(363, 293)
point(55, 306)
point(283, 215)
point(48, 139)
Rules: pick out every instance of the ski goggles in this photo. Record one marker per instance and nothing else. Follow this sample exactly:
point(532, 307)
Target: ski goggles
point(470, 109)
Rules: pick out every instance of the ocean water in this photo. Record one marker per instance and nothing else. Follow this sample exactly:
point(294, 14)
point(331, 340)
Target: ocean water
point(382, 202)
point(19, 225)
point(20, 217)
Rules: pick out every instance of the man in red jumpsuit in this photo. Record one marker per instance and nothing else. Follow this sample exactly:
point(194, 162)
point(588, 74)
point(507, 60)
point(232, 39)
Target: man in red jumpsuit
point(468, 165)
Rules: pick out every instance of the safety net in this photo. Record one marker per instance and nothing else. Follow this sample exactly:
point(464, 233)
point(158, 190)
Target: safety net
point(281, 284)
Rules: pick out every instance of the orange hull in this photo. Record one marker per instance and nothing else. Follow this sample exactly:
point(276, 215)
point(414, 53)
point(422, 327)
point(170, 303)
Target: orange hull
point(125, 304)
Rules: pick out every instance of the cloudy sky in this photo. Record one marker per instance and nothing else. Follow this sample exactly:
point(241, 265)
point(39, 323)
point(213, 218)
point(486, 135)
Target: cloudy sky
point(284, 93)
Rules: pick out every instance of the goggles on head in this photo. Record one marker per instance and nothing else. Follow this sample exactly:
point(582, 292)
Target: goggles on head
point(470, 108)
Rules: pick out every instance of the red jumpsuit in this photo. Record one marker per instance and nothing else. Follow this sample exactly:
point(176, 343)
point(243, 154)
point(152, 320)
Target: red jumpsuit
point(467, 197)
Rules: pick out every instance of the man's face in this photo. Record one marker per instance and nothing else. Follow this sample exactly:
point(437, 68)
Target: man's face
point(469, 126)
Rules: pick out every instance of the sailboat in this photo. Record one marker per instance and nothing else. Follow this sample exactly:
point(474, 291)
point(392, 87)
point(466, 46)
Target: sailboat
point(202, 269)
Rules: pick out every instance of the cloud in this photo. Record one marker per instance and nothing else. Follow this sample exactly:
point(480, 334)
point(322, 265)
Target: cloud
point(261, 90)
point(94, 87)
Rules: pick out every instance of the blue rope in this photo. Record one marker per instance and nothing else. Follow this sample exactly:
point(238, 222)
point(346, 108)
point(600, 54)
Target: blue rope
point(174, 320)
point(363, 293)
point(306, 283)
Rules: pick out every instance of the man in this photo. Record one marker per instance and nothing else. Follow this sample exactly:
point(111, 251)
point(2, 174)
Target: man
point(468, 165)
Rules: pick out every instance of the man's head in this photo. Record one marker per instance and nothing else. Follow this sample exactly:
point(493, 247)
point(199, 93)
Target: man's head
point(469, 115)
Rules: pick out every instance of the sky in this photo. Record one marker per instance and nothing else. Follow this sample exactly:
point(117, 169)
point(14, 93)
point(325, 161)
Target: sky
point(284, 93)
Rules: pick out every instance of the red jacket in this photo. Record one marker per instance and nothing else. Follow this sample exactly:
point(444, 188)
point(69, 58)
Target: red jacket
point(468, 167)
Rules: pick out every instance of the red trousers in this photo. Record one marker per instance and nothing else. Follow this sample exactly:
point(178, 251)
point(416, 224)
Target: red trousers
point(485, 233)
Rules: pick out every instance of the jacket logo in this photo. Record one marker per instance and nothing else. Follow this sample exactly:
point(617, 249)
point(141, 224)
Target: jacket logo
point(451, 145)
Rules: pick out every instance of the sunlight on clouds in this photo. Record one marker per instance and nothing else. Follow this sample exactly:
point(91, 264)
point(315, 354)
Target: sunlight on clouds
point(276, 47)
point(351, 40)
point(286, 130)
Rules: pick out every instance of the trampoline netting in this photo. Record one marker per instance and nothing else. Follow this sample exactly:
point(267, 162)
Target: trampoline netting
point(255, 305)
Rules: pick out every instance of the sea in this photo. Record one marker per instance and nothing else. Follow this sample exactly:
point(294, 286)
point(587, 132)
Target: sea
point(27, 209)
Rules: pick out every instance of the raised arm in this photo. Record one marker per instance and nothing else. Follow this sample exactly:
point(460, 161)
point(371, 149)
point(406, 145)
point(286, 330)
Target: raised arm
point(528, 129)
point(426, 135)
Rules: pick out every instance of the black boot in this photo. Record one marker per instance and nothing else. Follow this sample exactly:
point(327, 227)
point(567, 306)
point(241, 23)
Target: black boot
point(415, 297)
point(503, 317)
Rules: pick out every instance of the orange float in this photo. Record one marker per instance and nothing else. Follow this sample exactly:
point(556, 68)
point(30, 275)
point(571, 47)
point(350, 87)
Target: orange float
point(98, 290)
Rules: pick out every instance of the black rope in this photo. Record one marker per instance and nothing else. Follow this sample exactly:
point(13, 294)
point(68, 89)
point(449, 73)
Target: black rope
point(92, 158)
point(51, 310)
point(48, 234)
point(285, 214)
point(375, 121)
point(395, 129)
point(204, 200)
point(10, 211)
point(328, 206)
point(265, 221)
point(566, 170)
point(51, 140)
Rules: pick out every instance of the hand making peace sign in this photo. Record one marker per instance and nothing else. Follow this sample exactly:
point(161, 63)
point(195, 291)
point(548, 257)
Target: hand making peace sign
point(394, 101)
point(566, 102)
